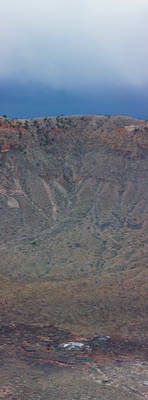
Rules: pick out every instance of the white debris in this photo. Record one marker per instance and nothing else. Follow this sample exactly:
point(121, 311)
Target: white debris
point(73, 346)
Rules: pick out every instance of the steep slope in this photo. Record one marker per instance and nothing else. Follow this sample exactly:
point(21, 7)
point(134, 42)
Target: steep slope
point(74, 222)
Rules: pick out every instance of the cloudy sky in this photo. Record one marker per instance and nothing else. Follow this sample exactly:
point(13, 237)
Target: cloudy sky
point(67, 51)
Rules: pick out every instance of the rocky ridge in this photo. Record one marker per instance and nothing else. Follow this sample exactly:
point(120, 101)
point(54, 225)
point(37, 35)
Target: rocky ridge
point(74, 212)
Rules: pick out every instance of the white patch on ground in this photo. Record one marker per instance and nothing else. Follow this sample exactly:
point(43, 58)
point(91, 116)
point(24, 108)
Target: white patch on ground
point(12, 203)
point(72, 346)
point(131, 128)
point(48, 191)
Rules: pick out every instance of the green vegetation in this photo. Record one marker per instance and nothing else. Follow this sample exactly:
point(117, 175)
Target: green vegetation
point(26, 125)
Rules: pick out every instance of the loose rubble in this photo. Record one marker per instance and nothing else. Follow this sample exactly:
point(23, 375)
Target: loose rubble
point(74, 346)
point(101, 338)
point(87, 346)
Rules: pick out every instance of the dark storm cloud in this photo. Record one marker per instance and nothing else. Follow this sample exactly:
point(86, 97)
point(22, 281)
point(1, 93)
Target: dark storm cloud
point(71, 44)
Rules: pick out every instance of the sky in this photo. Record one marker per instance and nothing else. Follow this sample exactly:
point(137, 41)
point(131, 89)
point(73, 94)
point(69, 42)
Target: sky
point(74, 56)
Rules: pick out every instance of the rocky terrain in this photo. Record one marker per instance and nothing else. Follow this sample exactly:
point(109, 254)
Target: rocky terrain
point(47, 362)
point(74, 247)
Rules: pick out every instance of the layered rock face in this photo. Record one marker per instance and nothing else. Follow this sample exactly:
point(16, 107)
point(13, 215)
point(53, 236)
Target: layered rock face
point(74, 222)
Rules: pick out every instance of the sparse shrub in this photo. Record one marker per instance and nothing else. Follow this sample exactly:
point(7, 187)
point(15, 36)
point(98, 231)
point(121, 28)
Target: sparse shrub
point(34, 243)
point(26, 126)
